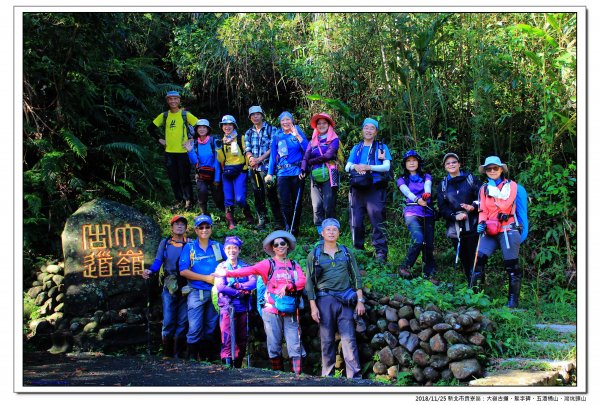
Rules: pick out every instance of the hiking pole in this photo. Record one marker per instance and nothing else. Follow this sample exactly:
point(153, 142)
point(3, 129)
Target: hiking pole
point(248, 331)
point(231, 311)
point(475, 261)
point(148, 317)
point(295, 209)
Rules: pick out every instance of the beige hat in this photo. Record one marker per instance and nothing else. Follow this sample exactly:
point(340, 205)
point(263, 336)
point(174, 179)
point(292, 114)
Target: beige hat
point(267, 242)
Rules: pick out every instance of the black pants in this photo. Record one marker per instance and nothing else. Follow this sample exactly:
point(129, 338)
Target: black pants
point(289, 187)
point(257, 179)
point(217, 193)
point(179, 172)
point(468, 245)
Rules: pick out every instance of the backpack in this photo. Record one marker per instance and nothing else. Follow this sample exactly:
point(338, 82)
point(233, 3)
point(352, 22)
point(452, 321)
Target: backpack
point(385, 177)
point(444, 184)
point(318, 266)
point(181, 281)
point(261, 287)
point(190, 128)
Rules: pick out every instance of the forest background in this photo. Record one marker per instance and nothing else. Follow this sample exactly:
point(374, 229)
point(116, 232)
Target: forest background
point(476, 84)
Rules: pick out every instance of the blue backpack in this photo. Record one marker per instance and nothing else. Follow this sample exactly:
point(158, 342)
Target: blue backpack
point(261, 288)
point(521, 211)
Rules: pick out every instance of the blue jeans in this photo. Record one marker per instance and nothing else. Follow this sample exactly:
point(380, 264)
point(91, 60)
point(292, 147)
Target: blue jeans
point(202, 316)
point(323, 198)
point(421, 231)
point(175, 317)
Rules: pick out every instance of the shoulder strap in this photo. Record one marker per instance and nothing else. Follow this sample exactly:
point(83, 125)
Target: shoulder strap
point(349, 261)
point(470, 180)
point(444, 186)
point(167, 240)
point(217, 252)
point(271, 270)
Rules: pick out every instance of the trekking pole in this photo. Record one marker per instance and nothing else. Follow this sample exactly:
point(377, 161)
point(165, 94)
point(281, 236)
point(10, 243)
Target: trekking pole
point(475, 261)
point(231, 311)
point(148, 317)
point(248, 331)
point(295, 209)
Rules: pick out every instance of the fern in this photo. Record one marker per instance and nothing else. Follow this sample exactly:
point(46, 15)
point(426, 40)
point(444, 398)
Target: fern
point(127, 147)
point(74, 143)
point(117, 189)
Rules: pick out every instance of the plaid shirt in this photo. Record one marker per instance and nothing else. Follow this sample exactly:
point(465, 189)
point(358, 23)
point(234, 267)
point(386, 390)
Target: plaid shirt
point(258, 143)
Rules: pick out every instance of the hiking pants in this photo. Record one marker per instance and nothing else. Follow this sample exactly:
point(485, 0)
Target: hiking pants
point(421, 232)
point(179, 172)
point(241, 335)
point(216, 191)
point(235, 190)
point(288, 187)
point(335, 316)
point(371, 202)
point(202, 316)
point(261, 191)
point(489, 244)
point(323, 198)
point(278, 326)
point(175, 318)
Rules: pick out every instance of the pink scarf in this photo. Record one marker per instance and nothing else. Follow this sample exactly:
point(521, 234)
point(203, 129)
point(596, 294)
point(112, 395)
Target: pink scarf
point(205, 141)
point(331, 135)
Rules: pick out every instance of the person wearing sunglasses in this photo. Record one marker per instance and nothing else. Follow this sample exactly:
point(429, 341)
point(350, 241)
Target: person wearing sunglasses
point(283, 278)
point(497, 227)
point(197, 262)
point(457, 194)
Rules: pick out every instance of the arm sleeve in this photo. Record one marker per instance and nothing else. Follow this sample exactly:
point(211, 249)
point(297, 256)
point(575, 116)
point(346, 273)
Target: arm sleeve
point(384, 167)
point(273, 155)
point(428, 183)
point(349, 163)
point(406, 191)
point(160, 254)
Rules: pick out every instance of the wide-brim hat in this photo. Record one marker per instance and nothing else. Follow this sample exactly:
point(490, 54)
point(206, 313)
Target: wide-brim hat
point(316, 117)
point(255, 109)
point(493, 160)
point(172, 93)
point(228, 119)
point(291, 240)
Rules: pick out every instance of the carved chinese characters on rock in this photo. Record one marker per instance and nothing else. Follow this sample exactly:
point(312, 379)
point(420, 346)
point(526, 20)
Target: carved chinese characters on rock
point(112, 250)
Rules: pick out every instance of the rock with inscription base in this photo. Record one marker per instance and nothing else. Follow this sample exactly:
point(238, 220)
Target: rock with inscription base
point(106, 246)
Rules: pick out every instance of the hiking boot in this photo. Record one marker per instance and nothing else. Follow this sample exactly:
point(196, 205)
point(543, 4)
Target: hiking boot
point(226, 361)
point(297, 365)
point(193, 349)
point(229, 217)
point(176, 206)
point(180, 347)
point(514, 284)
point(248, 215)
point(168, 346)
point(202, 208)
point(403, 272)
point(477, 278)
point(381, 258)
point(276, 363)
point(188, 205)
point(237, 363)
point(431, 279)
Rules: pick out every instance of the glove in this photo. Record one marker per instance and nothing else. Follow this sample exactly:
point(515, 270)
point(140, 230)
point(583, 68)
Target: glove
point(426, 196)
point(481, 227)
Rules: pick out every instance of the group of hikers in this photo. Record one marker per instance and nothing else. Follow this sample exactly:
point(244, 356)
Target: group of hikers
point(480, 218)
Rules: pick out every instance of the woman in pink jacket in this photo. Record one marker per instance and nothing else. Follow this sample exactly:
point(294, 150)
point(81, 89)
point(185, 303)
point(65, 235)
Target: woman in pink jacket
point(284, 281)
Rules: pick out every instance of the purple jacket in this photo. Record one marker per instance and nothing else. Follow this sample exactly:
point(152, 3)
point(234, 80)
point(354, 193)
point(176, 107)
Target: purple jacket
point(228, 294)
point(417, 188)
point(313, 158)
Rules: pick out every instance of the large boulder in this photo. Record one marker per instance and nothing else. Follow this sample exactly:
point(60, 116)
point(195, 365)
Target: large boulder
point(106, 246)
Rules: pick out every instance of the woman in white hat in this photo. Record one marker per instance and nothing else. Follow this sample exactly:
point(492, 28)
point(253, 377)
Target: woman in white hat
point(284, 280)
point(497, 226)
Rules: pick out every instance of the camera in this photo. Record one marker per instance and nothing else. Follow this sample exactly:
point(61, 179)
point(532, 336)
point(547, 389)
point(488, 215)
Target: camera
point(503, 217)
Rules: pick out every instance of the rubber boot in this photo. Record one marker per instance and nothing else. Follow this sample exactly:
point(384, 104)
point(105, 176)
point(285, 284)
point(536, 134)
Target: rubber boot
point(193, 349)
point(404, 272)
point(181, 347)
point(167, 344)
point(248, 215)
point(202, 207)
point(477, 279)
point(276, 363)
point(514, 282)
point(229, 217)
point(297, 365)
point(226, 361)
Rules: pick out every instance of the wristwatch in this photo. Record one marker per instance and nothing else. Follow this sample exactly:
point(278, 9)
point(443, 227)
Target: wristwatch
point(361, 300)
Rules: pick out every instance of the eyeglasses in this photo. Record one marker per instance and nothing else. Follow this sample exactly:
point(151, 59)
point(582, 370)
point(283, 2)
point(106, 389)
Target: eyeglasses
point(452, 163)
point(492, 168)
point(280, 244)
point(203, 228)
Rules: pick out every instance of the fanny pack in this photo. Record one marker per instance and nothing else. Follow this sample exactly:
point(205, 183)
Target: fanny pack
point(232, 171)
point(320, 174)
point(286, 304)
point(205, 173)
point(347, 297)
point(361, 180)
point(493, 227)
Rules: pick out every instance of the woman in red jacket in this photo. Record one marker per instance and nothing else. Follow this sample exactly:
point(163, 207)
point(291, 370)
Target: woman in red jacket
point(497, 226)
